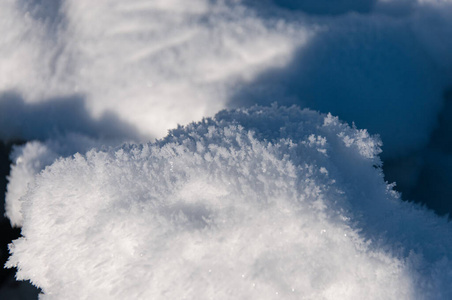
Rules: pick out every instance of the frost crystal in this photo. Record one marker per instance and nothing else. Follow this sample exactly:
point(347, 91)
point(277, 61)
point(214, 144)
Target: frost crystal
point(228, 209)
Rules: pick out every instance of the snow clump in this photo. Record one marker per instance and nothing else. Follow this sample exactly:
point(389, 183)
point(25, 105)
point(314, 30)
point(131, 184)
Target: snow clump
point(230, 208)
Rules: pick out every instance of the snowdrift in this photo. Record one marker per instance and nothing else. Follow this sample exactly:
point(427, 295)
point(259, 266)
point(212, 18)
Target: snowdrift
point(254, 203)
point(230, 208)
point(134, 69)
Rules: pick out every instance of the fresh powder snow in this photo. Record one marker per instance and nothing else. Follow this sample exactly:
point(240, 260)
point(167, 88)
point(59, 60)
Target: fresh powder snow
point(230, 208)
point(134, 69)
point(257, 202)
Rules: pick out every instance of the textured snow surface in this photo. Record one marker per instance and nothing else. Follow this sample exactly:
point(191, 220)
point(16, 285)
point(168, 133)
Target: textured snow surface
point(81, 75)
point(30, 159)
point(134, 69)
point(155, 64)
point(230, 208)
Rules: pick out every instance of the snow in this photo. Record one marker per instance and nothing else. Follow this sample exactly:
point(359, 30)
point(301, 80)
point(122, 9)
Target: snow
point(228, 208)
point(78, 76)
point(141, 58)
point(31, 158)
point(138, 59)
point(156, 64)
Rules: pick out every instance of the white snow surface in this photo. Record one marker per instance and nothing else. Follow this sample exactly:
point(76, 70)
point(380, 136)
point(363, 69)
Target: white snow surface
point(77, 75)
point(134, 69)
point(31, 158)
point(155, 64)
point(230, 208)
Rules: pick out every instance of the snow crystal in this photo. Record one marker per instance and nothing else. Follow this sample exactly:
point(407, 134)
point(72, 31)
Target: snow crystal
point(226, 208)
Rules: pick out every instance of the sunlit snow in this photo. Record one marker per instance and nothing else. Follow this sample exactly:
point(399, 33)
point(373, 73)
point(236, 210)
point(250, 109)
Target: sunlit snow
point(230, 208)
point(257, 202)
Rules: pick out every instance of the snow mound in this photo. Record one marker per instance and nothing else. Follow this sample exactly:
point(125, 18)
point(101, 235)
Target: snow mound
point(230, 208)
point(136, 69)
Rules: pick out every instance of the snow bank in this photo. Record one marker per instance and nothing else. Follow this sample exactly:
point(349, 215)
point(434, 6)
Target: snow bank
point(150, 65)
point(230, 208)
point(153, 64)
point(75, 74)
point(156, 64)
